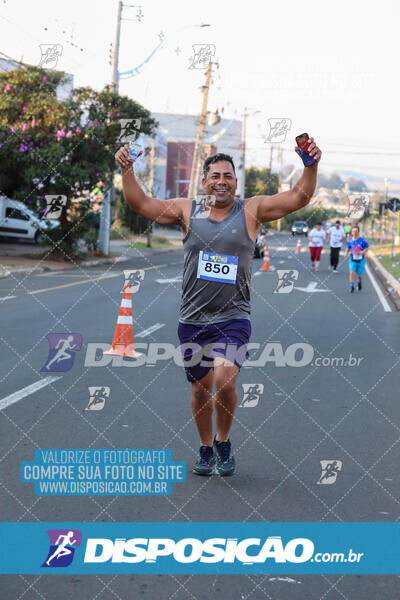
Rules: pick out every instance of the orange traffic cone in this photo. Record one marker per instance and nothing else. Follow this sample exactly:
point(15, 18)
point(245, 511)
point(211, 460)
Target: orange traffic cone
point(298, 247)
point(265, 263)
point(123, 338)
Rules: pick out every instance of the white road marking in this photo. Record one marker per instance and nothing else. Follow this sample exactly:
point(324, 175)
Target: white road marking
point(29, 389)
point(7, 298)
point(82, 281)
point(287, 579)
point(311, 287)
point(48, 273)
point(384, 302)
point(172, 280)
point(150, 330)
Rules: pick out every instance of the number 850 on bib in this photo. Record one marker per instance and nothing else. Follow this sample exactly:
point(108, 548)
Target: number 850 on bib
point(221, 268)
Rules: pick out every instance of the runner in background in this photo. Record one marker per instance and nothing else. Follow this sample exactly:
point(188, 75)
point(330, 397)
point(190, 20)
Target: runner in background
point(357, 247)
point(336, 236)
point(347, 230)
point(316, 241)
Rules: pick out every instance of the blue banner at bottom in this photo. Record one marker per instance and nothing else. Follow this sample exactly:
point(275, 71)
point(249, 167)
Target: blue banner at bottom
point(196, 548)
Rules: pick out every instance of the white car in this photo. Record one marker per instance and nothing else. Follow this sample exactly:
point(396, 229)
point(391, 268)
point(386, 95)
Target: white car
point(19, 221)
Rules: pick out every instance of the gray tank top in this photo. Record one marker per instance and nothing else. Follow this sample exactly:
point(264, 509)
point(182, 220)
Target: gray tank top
point(216, 288)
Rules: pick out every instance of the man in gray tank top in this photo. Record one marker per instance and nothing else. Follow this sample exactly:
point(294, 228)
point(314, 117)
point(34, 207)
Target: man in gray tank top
point(219, 233)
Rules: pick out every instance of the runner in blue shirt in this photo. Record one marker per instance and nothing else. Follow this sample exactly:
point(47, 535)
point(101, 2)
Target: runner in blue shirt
point(357, 247)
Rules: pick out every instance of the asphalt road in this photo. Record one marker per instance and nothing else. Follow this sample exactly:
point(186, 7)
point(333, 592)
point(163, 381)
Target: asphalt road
point(305, 414)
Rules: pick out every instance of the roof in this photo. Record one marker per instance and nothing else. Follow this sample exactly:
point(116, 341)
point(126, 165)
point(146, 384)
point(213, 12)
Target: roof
point(183, 128)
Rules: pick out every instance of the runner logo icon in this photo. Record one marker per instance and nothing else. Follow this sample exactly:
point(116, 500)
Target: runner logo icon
point(286, 280)
point(278, 129)
point(330, 471)
point(130, 129)
point(252, 393)
point(134, 279)
point(203, 54)
point(55, 205)
point(62, 547)
point(50, 54)
point(98, 396)
point(62, 351)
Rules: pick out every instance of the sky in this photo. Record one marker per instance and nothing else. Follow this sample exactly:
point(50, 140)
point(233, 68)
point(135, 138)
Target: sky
point(331, 68)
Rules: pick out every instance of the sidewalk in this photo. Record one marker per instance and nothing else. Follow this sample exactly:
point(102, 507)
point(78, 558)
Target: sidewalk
point(14, 264)
point(387, 280)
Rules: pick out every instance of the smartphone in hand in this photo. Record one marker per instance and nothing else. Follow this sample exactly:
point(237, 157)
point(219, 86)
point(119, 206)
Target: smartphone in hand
point(302, 142)
point(134, 151)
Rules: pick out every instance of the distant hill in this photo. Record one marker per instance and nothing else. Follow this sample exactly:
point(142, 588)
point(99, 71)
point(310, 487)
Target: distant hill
point(372, 181)
point(358, 181)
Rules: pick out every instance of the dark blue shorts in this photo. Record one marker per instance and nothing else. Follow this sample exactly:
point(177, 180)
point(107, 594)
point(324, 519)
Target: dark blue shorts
point(227, 339)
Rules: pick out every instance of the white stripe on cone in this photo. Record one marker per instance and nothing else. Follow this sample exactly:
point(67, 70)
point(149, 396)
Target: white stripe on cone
point(124, 320)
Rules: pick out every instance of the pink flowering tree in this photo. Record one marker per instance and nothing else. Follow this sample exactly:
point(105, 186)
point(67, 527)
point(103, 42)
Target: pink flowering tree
point(49, 146)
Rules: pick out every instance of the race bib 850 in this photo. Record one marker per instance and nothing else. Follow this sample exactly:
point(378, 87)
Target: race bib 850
point(217, 267)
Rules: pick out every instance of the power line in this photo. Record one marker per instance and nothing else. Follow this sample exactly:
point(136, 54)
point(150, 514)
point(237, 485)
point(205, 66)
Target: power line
point(328, 152)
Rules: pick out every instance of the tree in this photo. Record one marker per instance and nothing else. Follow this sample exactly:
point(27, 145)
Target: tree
point(58, 147)
point(310, 214)
point(357, 185)
point(260, 182)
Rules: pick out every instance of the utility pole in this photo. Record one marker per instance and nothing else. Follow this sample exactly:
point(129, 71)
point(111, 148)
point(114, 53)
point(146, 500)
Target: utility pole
point(397, 238)
point(243, 148)
point(278, 225)
point(150, 188)
point(270, 159)
point(270, 165)
point(177, 174)
point(394, 208)
point(115, 82)
point(194, 176)
point(105, 221)
point(383, 223)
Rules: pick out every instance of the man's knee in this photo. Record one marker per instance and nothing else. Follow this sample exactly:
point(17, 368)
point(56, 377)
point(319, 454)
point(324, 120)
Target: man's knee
point(201, 393)
point(225, 385)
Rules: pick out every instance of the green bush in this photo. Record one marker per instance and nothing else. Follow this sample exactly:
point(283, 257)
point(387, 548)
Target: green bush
point(131, 220)
point(311, 215)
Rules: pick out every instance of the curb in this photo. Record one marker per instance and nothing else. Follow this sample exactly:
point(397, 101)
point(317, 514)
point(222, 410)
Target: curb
point(384, 277)
point(119, 259)
point(102, 261)
point(86, 263)
point(16, 272)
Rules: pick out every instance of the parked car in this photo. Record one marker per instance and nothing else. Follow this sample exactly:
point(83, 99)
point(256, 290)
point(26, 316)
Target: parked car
point(19, 221)
point(260, 244)
point(300, 228)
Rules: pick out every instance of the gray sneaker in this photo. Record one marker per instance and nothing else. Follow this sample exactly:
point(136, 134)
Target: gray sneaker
point(225, 460)
point(206, 462)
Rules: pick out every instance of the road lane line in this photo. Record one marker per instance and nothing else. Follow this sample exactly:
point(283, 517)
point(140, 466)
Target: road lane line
point(49, 273)
point(150, 330)
point(384, 302)
point(7, 298)
point(177, 279)
point(82, 281)
point(29, 389)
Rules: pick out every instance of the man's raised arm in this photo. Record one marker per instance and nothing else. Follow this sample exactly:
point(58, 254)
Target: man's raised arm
point(269, 208)
point(165, 212)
